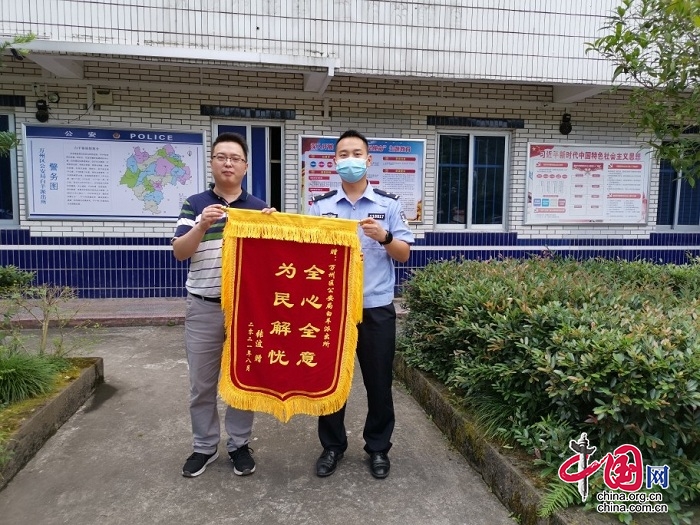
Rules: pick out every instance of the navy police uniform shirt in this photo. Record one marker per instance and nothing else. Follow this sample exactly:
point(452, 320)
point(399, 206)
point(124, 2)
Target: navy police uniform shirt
point(379, 274)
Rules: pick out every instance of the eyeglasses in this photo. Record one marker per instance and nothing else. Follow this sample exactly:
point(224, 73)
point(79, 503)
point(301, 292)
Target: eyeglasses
point(223, 158)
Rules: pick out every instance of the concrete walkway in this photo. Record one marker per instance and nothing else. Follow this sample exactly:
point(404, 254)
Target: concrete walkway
point(118, 459)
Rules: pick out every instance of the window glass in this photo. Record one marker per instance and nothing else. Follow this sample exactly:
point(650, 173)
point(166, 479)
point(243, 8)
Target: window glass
point(8, 180)
point(688, 204)
point(453, 181)
point(489, 171)
point(667, 194)
point(679, 202)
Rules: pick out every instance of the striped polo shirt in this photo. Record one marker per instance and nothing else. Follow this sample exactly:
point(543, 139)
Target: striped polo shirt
point(204, 275)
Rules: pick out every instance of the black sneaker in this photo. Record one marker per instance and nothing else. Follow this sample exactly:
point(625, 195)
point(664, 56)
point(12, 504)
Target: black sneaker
point(197, 463)
point(243, 462)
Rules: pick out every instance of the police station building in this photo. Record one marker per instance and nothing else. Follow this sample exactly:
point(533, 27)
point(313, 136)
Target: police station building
point(489, 120)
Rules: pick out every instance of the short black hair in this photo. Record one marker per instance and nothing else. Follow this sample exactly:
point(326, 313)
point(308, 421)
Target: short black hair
point(352, 133)
point(229, 136)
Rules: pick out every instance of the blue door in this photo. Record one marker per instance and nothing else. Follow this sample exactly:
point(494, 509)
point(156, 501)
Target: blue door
point(264, 177)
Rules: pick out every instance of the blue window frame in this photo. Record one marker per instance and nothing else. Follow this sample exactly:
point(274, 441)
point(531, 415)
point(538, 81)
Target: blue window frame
point(8, 179)
point(471, 180)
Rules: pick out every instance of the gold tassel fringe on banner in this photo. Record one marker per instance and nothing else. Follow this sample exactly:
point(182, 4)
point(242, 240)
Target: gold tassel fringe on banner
point(305, 229)
point(253, 224)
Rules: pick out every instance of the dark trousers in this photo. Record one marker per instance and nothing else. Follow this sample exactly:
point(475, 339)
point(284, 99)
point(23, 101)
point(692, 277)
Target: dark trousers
point(376, 345)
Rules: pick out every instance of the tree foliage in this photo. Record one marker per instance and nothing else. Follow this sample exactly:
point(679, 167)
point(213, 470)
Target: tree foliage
point(9, 140)
point(655, 47)
point(18, 40)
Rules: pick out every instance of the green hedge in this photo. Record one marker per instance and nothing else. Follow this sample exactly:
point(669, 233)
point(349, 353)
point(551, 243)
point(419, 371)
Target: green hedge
point(553, 347)
point(12, 278)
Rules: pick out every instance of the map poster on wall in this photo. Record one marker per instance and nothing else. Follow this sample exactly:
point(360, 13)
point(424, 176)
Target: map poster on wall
point(397, 167)
point(581, 183)
point(111, 174)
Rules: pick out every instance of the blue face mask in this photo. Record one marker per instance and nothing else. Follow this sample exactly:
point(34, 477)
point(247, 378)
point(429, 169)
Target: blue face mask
point(351, 169)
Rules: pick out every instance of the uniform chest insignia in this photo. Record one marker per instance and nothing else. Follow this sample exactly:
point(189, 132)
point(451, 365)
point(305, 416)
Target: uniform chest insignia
point(378, 216)
point(332, 215)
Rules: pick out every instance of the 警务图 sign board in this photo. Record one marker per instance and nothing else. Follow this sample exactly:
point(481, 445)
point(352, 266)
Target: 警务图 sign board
point(111, 174)
point(583, 183)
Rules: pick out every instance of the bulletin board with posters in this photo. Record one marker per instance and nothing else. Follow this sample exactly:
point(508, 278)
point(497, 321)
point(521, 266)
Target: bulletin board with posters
point(584, 183)
point(397, 167)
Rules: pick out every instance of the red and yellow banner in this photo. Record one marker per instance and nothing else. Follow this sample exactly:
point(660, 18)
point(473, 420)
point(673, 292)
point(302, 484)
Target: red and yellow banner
point(292, 299)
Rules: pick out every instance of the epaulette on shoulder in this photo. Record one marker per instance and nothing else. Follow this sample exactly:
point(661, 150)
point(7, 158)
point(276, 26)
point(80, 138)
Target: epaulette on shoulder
point(324, 196)
point(385, 193)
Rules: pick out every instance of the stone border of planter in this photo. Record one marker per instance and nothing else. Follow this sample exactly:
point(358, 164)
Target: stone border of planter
point(44, 423)
point(508, 483)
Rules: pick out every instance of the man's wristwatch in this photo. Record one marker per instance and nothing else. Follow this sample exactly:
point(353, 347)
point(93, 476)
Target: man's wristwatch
point(389, 237)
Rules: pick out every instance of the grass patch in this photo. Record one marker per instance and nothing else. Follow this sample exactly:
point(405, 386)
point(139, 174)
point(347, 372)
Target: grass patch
point(13, 415)
point(24, 375)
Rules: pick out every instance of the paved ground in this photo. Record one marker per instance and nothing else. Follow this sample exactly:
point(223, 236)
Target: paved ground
point(112, 312)
point(118, 459)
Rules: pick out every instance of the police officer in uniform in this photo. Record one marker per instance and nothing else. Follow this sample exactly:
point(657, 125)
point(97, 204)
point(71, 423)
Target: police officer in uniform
point(385, 238)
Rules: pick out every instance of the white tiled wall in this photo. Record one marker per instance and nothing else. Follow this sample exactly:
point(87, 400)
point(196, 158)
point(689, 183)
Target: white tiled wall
point(166, 97)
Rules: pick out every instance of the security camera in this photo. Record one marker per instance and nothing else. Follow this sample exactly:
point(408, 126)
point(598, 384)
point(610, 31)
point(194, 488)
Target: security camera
point(42, 110)
point(565, 125)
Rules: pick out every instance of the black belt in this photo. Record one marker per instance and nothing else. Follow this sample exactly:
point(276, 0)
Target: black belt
point(207, 299)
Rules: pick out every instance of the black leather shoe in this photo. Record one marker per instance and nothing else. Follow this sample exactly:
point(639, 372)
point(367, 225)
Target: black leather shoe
point(326, 464)
point(379, 464)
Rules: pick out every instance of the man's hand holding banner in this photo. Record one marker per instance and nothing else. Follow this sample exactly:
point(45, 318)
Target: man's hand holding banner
point(292, 299)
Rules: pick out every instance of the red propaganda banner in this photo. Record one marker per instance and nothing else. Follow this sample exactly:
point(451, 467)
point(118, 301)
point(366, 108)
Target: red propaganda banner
point(292, 299)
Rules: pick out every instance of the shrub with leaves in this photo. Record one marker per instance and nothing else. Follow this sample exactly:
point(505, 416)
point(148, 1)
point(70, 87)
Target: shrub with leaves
point(43, 303)
point(12, 278)
point(23, 376)
point(605, 347)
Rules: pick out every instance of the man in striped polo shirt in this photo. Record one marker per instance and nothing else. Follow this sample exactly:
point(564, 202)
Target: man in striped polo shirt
point(199, 237)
